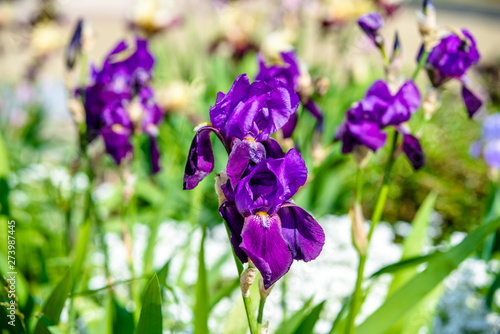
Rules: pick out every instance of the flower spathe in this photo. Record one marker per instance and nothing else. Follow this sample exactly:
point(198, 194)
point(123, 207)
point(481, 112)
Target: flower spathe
point(243, 120)
point(266, 227)
point(450, 59)
point(120, 101)
point(366, 119)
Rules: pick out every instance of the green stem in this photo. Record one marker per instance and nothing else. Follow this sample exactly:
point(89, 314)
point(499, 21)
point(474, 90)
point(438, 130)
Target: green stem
point(283, 297)
point(377, 215)
point(250, 317)
point(359, 186)
point(260, 315)
point(421, 63)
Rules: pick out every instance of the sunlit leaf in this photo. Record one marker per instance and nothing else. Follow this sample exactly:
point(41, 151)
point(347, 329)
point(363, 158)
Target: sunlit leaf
point(150, 321)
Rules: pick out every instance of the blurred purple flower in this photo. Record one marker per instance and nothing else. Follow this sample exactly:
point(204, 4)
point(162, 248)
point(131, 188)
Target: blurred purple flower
point(489, 143)
point(74, 47)
point(289, 74)
point(124, 78)
point(243, 120)
point(451, 59)
point(266, 227)
point(371, 23)
point(366, 119)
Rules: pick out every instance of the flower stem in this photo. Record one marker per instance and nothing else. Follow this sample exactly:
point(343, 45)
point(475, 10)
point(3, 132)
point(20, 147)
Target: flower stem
point(260, 315)
point(377, 215)
point(359, 186)
point(421, 63)
point(250, 316)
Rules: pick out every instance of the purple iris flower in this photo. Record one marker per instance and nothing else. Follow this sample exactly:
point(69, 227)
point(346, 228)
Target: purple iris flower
point(371, 24)
point(266, 226)
point(451, 59)
point(243, 120)
point(289, 74)
point(122, 81)
point(75, 46)
point(366, 119)
point(489, 143)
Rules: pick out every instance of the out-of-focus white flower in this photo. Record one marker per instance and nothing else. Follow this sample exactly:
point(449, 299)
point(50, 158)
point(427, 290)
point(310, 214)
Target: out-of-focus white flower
point(46, 38)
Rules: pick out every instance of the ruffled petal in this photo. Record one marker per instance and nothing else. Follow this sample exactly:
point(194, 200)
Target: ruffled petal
point(273, 148)
point(302, 232)
point(242, 154)
point(263, 242)
point(289, 127)
point(200, 160)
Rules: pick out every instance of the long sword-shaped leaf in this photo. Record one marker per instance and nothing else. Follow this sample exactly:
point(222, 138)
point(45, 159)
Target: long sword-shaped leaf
point(307, 325)
point(54, 305)
point(420, 285)
point(150, 321)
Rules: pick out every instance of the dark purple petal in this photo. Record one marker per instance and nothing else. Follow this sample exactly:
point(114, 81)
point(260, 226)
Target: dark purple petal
point(413, 150)
point(273, 148)
point(154, 155)
point(200, 160)
point(140, 63)
point(404, 104)
point(472, 102)
point(365, 133)
point(242, 154)
point(234, 222)
point(117, 141)
point(314, 110)
point(302, 232)
point(289, 127)
point(371, 23)
point(263, 242)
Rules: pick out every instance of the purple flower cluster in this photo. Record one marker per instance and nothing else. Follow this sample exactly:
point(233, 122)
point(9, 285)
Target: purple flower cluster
point(366, 119)
point(120, 102)
point(489, 143)
point(266, 226)
point(450, 59)
point(289, 74)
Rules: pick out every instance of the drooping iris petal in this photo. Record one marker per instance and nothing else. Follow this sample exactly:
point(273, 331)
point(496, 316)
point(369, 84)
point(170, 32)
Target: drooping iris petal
point(154, 155)
point(289, 127)
point(365, 133)
point(270, 184)
point(242, 154)
point(234, 222)
point(200, 160)
point(370, 23)
point(301, 231)
point(472, 102)
point(314, 110)
point(141, 62)
point(413, 150)
point(117, 141)
point(263, 242)
point(491, 154)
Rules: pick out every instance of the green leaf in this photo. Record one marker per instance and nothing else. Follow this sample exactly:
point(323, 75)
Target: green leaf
point(341, 316)
point(54, 304)
point(201, 290)
point(405, 264)
point(412, 245)
point(123, 320)
point(292, 323)
point(421, 284)
point(307, 325)
point(150, 321)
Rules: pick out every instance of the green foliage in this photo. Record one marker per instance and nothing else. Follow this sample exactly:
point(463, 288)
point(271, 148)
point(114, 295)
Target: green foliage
point(150, 321)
